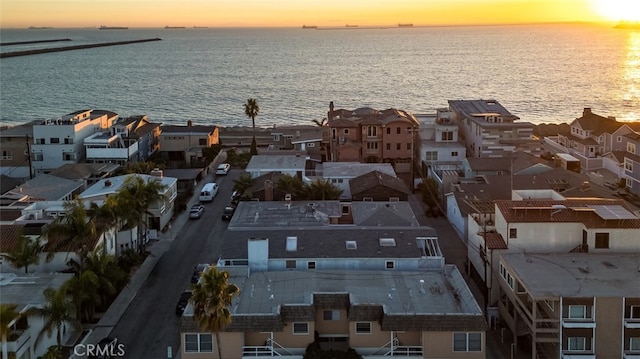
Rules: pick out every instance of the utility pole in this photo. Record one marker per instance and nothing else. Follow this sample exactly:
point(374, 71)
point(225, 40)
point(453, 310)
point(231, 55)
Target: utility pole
point(29, 156)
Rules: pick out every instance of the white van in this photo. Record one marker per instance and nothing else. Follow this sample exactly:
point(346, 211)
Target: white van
point(209, 191)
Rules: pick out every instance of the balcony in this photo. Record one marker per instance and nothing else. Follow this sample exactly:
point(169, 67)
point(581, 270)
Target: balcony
point(17, 340)
point(578, 355)
point(632, 323)
point(578, 323)
point(270, 349)
point(631, 354)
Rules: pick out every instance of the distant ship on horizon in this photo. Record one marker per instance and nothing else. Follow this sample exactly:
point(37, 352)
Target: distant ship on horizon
point(309, 27)
point(405, 25)
point(39, 27)
point(103, 27)
point(347, 25)
point(633, 25)
point(174, 27)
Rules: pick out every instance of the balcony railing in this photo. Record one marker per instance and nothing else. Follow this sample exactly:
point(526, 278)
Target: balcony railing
point(15, 345)
point(578, 323)
point(632, 323)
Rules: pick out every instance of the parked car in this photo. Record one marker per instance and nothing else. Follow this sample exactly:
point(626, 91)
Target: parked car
point(235, 197)
point(196, 211)
point(105, 349)
point(228, 212)
point(223, 169)
point(183, 301)
point(197, 271)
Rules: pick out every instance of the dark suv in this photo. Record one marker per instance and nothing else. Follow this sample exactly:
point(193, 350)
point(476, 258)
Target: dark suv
point(197, 271)
point(183, 301)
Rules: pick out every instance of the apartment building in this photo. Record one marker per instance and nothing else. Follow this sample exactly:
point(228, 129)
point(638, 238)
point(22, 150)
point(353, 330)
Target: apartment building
point(372, 136)
point(440, 147)
point(572, 305)
point(631, 162)
point(184, 144)
point(129, 139)
point(361, 275)
point(546, 222)
point(15, 143)
point(57, 142)
point(490, 130)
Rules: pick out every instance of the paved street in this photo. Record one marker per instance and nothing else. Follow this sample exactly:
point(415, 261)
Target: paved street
point(149, 325)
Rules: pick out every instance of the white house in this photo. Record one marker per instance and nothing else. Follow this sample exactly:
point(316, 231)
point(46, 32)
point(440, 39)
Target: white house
point(161, 212)
point(292, 165)
point(339, 173)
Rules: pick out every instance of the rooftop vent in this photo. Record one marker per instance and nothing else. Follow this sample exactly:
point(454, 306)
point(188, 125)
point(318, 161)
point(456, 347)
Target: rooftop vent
point(351, 245)
point(108, 183)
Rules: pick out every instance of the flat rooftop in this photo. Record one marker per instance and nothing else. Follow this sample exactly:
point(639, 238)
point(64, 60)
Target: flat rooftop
point(397, 291)
point(354, 169)
point(26, 290)
point(577, 274)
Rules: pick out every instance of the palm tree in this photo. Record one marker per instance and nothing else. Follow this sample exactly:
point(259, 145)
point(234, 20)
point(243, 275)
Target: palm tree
point(25, 254)
point(291, 184)
point(7, 315)
point(109, 275)
point(251, 110)
point(71, 230)
point(321, 189)
point(57, 310)
point(211, 298)
point(321, 123)
point(83, 290)
point(243, 183)
point(137, 196)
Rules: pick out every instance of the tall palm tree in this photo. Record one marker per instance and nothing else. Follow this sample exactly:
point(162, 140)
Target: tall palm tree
point(251, 110)
point(7, 315)
point(82, 288)
point(321, 189)
point(321, 123)
point(57, 310)
point(211, 299)
point(25, 254)
point(71, 230)
point(137, 197)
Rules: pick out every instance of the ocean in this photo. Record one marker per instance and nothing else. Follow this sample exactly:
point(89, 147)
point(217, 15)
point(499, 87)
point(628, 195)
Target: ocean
point(541, 73)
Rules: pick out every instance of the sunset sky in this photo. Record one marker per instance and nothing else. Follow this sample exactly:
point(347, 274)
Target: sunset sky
point(254, 13)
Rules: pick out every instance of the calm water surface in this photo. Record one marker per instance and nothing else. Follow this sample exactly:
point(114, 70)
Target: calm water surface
point(542, 73)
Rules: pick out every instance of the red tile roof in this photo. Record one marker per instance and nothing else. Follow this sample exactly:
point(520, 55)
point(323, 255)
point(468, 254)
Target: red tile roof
point(9, 234)
point(571, 210)
point(494, 240)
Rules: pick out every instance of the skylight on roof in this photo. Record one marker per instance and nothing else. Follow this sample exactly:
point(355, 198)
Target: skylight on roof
point(387, 242)
point(292, 244)
point(351, 244)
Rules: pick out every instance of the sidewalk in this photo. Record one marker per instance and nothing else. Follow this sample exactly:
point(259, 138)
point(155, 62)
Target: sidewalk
point(156, 249)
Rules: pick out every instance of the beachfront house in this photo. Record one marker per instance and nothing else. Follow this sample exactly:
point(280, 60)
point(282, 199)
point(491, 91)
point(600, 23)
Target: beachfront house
point(490, 130)
point(60, 141)
point(182, 145)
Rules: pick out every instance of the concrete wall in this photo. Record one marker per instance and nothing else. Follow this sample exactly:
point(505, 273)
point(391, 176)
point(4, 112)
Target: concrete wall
point(609, 326)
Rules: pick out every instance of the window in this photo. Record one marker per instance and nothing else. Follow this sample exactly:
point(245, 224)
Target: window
point(398, 130)
point(291, 264)
point(389, 264)
point(467, 342)
point(311, 144)
point(363, 327)
point(447, 136)
point(7, 155)
point(628, 165)
point(409, 146)
point(577, 312)
point(331, 315)
point(619, 139)
point(634, 344)
point(198, 343)
point(454, 154)
point(54, 140)
point(634, 312)
point(300, 328)
point(506, 276)
point(388, 147)
point(372, 145)
point(372, 131)
point(68, 156)
point(37, 156)
point(202, 141)
point(346, 131)
point(311, 265)
point(388, 130)
point(276, 136)
point(576, 343)
point(513, 232)
point(602, 240)
point(631, 147)
point(68, 141)
point(431, 156)
point(398, 146)
point(39, 141)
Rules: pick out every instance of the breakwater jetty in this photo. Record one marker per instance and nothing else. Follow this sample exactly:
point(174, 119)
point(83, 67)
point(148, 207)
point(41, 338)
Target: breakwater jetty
point(76, 47)
point(32, 42)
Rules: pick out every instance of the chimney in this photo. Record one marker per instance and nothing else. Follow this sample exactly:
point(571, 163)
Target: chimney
point(156, 172)
point(331, 106)
point(189, 123)
point(268, 190)
point(330, 115)
point(586, 111)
